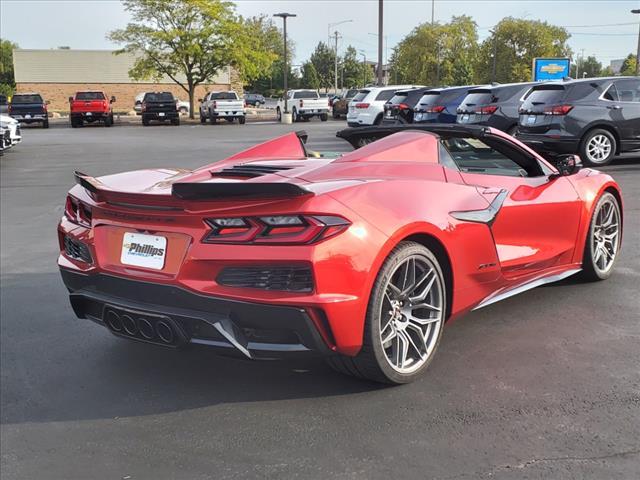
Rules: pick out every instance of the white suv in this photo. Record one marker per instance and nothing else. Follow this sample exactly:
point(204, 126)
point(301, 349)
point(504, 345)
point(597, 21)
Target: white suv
point(367, 107)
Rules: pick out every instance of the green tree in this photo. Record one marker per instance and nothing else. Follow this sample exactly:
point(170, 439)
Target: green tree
point(7, 80)
point(323, 59)
point(354, 72)
point(310, 78)
point(516, 43)
point(629, 65)
point(437, 54)
point(189, 41)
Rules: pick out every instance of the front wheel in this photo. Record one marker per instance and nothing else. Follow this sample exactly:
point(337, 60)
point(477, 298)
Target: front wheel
point(597, 148)
point(404, 319)
point(603, 239)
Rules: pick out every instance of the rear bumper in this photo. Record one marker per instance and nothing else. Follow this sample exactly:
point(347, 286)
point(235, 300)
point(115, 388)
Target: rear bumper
point(547, 144)
point(157, 116)
point(227, 114)
point(90, 115)
point(256, 331)
point(30, 117)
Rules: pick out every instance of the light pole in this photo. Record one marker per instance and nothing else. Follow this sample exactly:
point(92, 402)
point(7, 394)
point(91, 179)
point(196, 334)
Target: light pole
point(386, 46)
point(380, 38)
point(495, 54)
point(637, 12)
point(364, 70)
point(335, 51)
point(284, 17)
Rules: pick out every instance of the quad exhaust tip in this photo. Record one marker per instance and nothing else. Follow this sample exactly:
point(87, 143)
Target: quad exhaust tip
point(159, 331)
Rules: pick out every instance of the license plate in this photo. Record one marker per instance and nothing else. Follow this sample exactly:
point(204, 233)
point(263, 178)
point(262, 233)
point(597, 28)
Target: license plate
point(531, 119)
point(143, 250)
point(161, 114)
point(465, 117)
point(27, 116)
point(89, 114)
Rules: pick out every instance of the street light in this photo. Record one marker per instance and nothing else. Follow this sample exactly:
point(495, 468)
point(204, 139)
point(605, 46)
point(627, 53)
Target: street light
point(637, 12)
point(284, 17)
point(364, 70)
point(335, 69)
point(386, 46)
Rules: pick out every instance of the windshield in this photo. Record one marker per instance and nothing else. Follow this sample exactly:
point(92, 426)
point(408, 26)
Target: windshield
point(306, 94)
point(361, 95)
point(17, 99)
point(159, 97)
point(89, 96)
point(224, 96)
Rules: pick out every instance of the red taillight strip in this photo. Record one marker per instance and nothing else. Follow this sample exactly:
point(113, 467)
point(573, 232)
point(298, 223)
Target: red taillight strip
point(558, 109)
point(77, 211)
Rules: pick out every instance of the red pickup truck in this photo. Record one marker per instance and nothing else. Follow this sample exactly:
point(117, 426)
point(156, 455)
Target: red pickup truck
point(90, 106)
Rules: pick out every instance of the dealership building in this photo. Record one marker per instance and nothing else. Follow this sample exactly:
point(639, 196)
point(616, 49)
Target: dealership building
point(58, 74)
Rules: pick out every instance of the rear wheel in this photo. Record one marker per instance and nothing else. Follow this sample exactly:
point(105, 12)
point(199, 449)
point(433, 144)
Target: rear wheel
point(212, 118)
point(175, 121)
point(598, 147)
point(279, 114)
point(378, 120)
point(45, 124)
point(324, 117)
point(294, 115)
point(108, 121)
point(603, 239)
point(404, 320)
point(203, 119)
point(145, 122)
point(242, 120)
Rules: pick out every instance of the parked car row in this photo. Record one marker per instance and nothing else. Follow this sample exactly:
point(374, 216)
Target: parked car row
point(596, 118)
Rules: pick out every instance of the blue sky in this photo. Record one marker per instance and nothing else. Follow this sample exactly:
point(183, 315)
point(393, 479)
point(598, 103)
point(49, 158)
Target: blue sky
point(83, 24)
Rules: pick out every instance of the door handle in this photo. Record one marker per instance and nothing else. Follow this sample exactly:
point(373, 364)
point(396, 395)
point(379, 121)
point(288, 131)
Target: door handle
point(614, 107)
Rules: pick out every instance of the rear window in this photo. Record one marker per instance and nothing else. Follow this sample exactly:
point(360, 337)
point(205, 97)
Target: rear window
point(17, 99)
point(361, 95)
point(89, 96)
point(399, 97)
point(306, 94)
point(385, 95)
point(159, 97)
point(428, 99)
point(224, 96)
point(544, 96)
point(351, 93)
point(479, 98)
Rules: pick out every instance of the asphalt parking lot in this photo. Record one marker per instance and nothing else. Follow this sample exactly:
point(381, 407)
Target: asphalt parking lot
point(543, 385)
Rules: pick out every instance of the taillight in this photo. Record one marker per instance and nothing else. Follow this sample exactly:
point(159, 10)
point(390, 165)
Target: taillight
point(403, 106)
point(362, 105)
point(275, 229)
point(436, 109)
point(488, 110)
point(77, 211)
point(301, 103)
point(558, 109)
point(44, 107)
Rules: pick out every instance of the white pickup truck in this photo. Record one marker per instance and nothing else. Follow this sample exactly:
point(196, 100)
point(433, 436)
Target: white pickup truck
point(225, 105)
point(304, 104)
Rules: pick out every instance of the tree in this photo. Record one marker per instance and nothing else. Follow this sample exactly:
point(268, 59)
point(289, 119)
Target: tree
point(589, 67)
point(516, 43)
point(7, 80)
point(629, 65)
point(310, 78)
point(323, 59)
point(354, 72)
point(189, 41)
point(437, 54)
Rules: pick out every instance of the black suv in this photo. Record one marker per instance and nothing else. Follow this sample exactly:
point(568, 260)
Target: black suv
point(160, 106)
point(29, 108)
point(494, 106)
point(595, 117)
point(400, 108)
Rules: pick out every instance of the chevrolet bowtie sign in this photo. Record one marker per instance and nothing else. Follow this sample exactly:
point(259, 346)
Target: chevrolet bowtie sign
point(550, 68)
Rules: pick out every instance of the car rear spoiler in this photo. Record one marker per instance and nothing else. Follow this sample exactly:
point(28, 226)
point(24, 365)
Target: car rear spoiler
point(360, 136)
point(218, 191)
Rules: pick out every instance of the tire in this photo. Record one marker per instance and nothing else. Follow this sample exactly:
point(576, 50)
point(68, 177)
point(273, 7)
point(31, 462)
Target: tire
point(108, 121)
point(373, 362)
point(324, 117)
point(598, 147)
point(294, 115)
point(145, 122)
point(242, 120)
point(183, 111)
point(203, 119)
point(334, 114)
point(45, 124)
point(175, 121)
point(378, 120)
point(229, 119)
point(596, 265)
point(279, 114)
point(212, 119)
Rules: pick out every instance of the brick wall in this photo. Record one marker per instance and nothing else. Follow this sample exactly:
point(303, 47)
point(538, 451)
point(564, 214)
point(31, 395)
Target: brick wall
point(58, 93)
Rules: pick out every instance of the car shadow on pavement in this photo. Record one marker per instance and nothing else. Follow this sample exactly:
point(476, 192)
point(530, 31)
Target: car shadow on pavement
point(56, 367)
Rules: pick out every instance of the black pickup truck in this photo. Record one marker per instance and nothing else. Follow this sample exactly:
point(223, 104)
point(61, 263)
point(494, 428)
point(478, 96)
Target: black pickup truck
point(29, 108)
point(159, 106)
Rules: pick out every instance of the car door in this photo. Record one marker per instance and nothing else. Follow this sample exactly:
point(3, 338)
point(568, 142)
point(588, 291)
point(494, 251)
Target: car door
point(537, 224)
point(626, 111)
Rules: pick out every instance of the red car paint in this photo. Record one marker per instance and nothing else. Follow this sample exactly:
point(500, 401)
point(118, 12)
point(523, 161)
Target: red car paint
point(390, 190)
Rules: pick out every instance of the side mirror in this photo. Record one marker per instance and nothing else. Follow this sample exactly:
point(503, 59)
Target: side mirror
point(568, 165)
point(70, 99)
point(113, 99)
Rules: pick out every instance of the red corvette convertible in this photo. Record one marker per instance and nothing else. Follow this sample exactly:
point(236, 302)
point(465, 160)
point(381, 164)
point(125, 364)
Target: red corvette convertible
point(361, 257)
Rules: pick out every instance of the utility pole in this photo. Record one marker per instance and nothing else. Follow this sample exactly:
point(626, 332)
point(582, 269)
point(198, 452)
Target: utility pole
point(433, 11)
point(637, 12)
point(380, 40)
point(578, 65)
point(495, 55)
point(438, 64)
point(336, 36)
point(284, 17)
point(364, 69)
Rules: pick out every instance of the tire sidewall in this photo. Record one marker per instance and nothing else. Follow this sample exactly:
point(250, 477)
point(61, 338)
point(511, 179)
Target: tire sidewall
point(588, 263)
point(372, 326)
